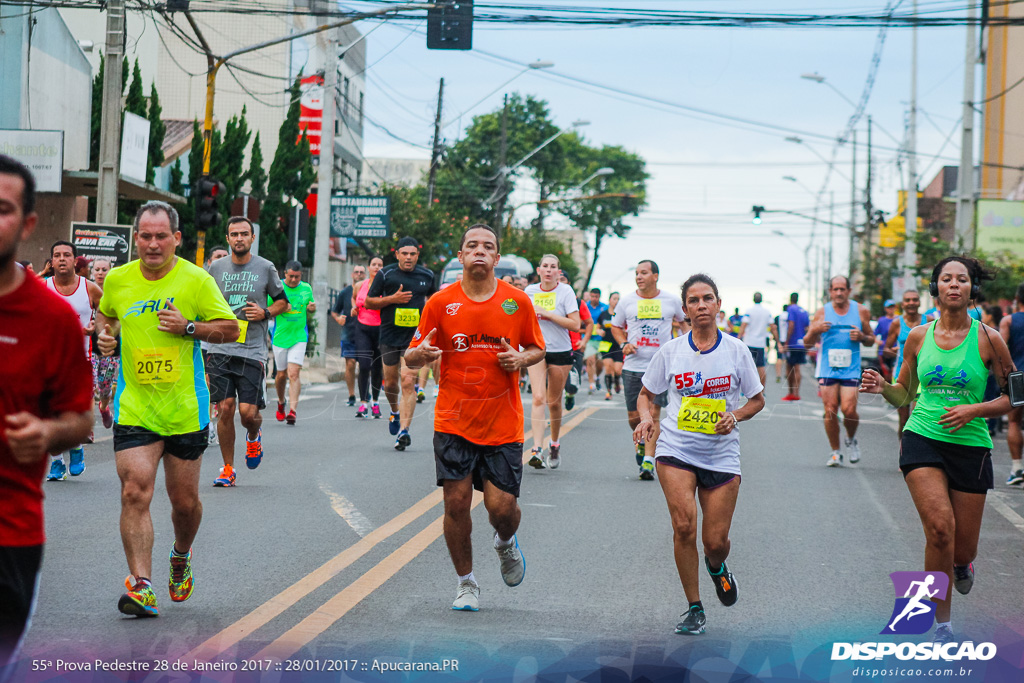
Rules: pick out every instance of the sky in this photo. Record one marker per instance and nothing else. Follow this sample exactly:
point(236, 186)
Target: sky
point(706, 172)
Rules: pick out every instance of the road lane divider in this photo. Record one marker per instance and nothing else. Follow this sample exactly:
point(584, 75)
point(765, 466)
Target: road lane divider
point(338, 606)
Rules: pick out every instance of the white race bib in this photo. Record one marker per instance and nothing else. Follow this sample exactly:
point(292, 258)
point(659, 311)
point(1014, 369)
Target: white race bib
point(840, 358)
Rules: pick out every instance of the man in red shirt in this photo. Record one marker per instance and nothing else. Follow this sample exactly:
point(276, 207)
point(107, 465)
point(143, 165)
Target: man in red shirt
point(45, 403)
point(476, 328)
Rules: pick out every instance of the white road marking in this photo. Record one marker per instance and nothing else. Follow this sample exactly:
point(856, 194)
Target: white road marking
point(539, 505)
point(323, 388)
point(348, 512)
point(997, 501)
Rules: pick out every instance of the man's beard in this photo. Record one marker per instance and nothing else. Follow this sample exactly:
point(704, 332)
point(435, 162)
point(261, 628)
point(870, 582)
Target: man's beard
point(241, 252)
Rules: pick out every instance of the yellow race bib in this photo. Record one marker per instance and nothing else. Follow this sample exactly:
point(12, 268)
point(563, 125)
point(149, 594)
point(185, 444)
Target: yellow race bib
point(648, 309)
point(156, 365)
point(243, 327)
point(604, 347)
point(545, 300)
point(700, 414)
point(407, 317)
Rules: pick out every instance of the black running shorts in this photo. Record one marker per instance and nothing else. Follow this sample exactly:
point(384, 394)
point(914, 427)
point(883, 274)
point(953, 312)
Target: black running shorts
point(706, 479)
point(968, 468)
point(456, 458)
point(233, 376)
point(392, 355)
point(19, 572)
point(632, 382)
point(558, 358)
point(758, 356)
point(188, 446)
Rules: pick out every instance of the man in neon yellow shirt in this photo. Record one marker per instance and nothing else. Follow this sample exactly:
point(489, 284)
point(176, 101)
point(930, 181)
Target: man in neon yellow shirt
point(161, 306)
point(291, 333)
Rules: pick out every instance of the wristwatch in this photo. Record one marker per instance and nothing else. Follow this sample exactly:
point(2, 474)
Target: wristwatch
point(266, 314)
point(190, 328)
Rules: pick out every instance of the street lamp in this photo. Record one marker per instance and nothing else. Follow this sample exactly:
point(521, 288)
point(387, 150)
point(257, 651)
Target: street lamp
point(532, 66)
point(776, 265)
point(599, 172)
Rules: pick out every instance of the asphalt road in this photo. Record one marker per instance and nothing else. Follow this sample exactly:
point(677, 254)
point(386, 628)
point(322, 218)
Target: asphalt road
point(330, 557)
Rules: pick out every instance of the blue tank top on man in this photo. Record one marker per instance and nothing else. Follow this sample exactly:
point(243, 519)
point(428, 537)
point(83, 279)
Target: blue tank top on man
point(840, 357)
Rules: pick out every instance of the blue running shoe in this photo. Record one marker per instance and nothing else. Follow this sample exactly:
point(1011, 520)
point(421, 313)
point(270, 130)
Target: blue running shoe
point(403, 441)
point(58, 471)
point(77, 461)
point(394, 423)
point(254, 450)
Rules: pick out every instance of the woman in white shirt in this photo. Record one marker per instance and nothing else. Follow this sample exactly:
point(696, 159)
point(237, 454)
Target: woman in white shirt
point(558, 312)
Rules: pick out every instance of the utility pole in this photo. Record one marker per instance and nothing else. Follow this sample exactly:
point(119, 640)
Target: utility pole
point(853, 203)
point(110, 120)
point(869, 209)
point(965, 175)
point(325, 186)
point(499, 207)
point(435, 154)
point(831, 227)
point(910, 214)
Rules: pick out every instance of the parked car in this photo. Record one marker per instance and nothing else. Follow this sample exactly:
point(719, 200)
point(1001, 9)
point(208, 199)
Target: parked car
point(508, 264)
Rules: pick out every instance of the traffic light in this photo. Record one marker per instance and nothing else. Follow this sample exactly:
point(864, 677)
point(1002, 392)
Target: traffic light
point(757, 214)
point(177, 5)
point(450, 25)
point(207, 191)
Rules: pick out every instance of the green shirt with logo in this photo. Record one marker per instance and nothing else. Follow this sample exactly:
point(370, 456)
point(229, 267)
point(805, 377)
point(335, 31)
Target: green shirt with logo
point(291, 328)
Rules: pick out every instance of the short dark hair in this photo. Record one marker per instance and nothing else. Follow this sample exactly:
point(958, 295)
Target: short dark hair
point(654, 266)
point(156, 206)
point(595, 290)
point(64, 243)
point(293, 265)
point(757, 297)
point(481, 226)
point(794, 297)
point(699, 277)
point(996, 312)
point(215, 248)
point(11, 166)
point(1020, 292)
point(242, 219)
point(976, 270)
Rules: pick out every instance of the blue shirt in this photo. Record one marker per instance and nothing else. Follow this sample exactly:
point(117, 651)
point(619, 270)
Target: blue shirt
point(882, 328)
point(840, 355)
point(800, 320)
point(596, 311)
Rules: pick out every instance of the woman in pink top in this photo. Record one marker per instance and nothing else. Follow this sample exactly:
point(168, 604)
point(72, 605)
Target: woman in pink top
point(366, 337)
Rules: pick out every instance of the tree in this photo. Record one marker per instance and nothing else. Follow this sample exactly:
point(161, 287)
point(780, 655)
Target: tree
point(135, 100)
point(257, 175)
point(157, 133)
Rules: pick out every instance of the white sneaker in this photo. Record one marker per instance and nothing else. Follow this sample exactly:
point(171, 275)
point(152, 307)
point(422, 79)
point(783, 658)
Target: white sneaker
point(468, 597)
point(853, 450)
point(554, 457)
point(835, 460)
point(513, 565)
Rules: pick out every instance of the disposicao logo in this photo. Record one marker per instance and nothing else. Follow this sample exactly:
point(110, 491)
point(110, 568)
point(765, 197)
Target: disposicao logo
point(914, 614)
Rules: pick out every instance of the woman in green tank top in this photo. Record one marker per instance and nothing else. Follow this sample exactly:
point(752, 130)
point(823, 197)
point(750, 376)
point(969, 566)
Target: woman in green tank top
point(945, 451)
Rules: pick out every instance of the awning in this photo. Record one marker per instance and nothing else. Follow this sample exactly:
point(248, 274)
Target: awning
point(83, 184)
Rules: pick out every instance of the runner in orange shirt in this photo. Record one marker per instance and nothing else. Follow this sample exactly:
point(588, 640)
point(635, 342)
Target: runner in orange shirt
point(476, 328)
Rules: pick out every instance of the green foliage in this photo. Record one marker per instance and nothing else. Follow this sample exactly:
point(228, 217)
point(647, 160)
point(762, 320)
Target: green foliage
point(157, 132)
point(135, 101)
point(257, 175)
point(187, 211)
point(533, 244)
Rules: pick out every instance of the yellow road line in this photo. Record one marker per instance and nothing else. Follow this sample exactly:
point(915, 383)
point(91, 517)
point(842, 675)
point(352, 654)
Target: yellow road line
point(338, 606)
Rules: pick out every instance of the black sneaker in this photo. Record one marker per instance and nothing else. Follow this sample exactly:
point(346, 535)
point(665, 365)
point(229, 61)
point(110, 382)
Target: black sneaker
point(725, 583)
point(570, 400)
point(692, 623)
point(963, 578)
point(351, 400)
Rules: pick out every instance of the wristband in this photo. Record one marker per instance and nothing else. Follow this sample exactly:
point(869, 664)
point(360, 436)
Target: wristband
point(735, 421)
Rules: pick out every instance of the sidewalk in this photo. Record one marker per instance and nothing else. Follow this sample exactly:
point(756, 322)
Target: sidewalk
point(334, 371)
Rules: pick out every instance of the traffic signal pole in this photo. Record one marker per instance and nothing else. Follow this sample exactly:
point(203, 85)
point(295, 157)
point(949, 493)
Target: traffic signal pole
point(214, 64)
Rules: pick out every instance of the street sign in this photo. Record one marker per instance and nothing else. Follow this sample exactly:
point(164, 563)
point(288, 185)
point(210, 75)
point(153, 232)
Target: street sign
point(41, 150)
point(359, 216)
point(134, 146)
point(94, 240)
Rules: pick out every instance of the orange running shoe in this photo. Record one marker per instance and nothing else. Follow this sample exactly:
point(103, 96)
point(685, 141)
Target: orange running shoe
point(139, 601)
point(179, 583)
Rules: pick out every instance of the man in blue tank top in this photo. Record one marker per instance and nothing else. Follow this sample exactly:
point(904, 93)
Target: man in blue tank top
point(842, 326)
point(1012, 329)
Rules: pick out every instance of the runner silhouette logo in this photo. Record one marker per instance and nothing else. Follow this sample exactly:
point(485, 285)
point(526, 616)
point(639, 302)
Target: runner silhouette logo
point(914, 611)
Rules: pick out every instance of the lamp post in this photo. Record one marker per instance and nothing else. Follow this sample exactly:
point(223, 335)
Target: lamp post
point(532, 66)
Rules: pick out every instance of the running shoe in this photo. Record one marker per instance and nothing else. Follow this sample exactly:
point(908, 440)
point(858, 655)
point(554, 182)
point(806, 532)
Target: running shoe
point(641, 451)
point(254, 450)
point(363, 411)
point(788, 397)
point(58, 471)
point(226, 476)
point(834, 460)
point(179, 583)
point(91, 438)
point(404, 440)
point(853, 450)
point(963, 578)
point(725, 583)
point(618, 386)
point(554, 458)
point(468, 597)
point(290, 419)
point(139, 601)
point(647, 470)
point(421, 395)
point(107, 417)
point(592, 389)
point(351, 401)
point(1016, 478)
point(76, 461)
point(535, 458)
point(943, 634)
point(513, 564)
point(375, 411)
point(607, 395)
point(692, 623)
point(394, 424)
point(570, 400)
point(280, 414)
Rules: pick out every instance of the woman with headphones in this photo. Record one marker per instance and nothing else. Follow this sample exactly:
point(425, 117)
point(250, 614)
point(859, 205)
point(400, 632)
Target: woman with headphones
point(945, 454)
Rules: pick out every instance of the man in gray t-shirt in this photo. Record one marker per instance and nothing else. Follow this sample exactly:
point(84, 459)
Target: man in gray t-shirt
point(237, 369)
